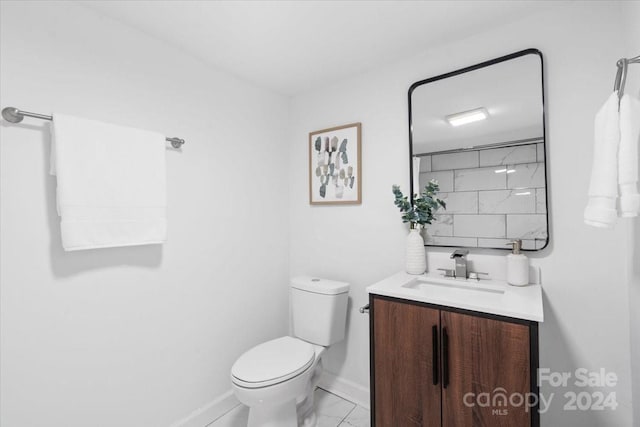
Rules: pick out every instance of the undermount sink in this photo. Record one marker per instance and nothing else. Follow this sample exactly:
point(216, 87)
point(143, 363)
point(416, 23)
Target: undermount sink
point(486, 296)
point(434, 285)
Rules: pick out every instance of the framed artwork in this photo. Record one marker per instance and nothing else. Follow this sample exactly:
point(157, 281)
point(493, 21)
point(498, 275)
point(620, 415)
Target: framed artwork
point(335, 170)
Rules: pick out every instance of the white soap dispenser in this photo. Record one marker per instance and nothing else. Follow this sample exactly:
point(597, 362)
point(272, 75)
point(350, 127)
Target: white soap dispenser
point(517, 265)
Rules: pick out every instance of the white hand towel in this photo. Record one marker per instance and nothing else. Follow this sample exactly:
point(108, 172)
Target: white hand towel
point(111, 184)
point(416, 175)
point(603, 190)
point(628, 156)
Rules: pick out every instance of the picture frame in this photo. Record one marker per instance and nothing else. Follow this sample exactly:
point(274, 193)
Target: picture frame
point(335, 165)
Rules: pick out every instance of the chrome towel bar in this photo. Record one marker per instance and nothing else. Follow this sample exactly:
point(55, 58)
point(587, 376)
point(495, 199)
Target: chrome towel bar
point(13, 115)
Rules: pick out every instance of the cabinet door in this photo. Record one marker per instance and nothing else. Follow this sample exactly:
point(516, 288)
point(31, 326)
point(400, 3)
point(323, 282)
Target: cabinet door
point(487, 362)
point(405, 365)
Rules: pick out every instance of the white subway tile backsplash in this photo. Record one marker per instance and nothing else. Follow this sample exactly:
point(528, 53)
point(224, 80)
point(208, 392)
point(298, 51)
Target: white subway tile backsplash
point(469, 242)
point(461, 160)
point(479, 179)
point(441, 226)
point(526, 175)
point(425, 163)
point(508, 155)
point(507, 201)
point(486, 206)
point(479, 226)
point(541, 202)
point(527, 226)
point(444, 178)
point(460, 202)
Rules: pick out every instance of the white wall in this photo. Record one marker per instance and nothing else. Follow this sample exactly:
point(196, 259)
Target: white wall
point(138, 336)
point(631, 13)
point(583, 270)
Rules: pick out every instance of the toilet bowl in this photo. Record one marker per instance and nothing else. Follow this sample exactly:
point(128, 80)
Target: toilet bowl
point(276, 379)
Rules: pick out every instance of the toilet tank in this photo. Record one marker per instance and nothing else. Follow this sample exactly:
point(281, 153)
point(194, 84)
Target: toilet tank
point(319, 309)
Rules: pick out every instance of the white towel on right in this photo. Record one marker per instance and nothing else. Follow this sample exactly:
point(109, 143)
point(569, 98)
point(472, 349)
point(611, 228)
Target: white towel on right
point(603, 190)
point(416, 175)
point(628, 156)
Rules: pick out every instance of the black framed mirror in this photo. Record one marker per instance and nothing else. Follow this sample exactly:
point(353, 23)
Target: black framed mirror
point(480, 132)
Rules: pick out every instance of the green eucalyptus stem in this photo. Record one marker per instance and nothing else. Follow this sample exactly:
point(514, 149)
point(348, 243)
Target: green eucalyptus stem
point(421, 212)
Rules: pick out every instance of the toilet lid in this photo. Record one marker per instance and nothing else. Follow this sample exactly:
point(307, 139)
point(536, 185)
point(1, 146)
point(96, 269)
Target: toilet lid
point(272, 362)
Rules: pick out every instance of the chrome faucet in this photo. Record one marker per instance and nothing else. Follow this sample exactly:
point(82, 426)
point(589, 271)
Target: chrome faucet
point(460, 258)
point(461, 271)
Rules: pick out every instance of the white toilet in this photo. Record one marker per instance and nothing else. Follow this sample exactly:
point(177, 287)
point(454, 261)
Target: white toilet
point(276, 379)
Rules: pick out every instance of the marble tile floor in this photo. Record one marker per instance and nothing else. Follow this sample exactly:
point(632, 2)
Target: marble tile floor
point(333, 411)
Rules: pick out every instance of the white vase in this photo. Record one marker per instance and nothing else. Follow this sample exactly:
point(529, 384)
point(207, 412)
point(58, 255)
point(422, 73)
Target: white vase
point(416, 255)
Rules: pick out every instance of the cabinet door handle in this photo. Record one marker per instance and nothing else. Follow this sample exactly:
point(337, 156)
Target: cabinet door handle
point(434, 340)
point(445, 358)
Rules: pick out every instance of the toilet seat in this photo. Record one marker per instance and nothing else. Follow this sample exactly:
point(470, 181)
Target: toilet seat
point(272, 362)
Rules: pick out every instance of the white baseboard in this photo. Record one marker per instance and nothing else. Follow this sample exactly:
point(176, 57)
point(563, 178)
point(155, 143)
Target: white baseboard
point(209, 412)
point(346, 389)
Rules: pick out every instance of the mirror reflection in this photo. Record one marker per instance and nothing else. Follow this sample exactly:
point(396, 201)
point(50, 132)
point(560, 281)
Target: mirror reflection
point(479, 132)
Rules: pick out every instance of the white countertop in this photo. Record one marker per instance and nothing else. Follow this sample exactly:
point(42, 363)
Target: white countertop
point(486, 296)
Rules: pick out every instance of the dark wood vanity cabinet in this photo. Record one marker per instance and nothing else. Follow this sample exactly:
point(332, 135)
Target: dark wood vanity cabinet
point(404, 364)
point(440, 366)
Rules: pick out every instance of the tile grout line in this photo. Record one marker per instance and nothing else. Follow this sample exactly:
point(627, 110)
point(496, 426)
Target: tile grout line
point(355, 405)
point(349, 413)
